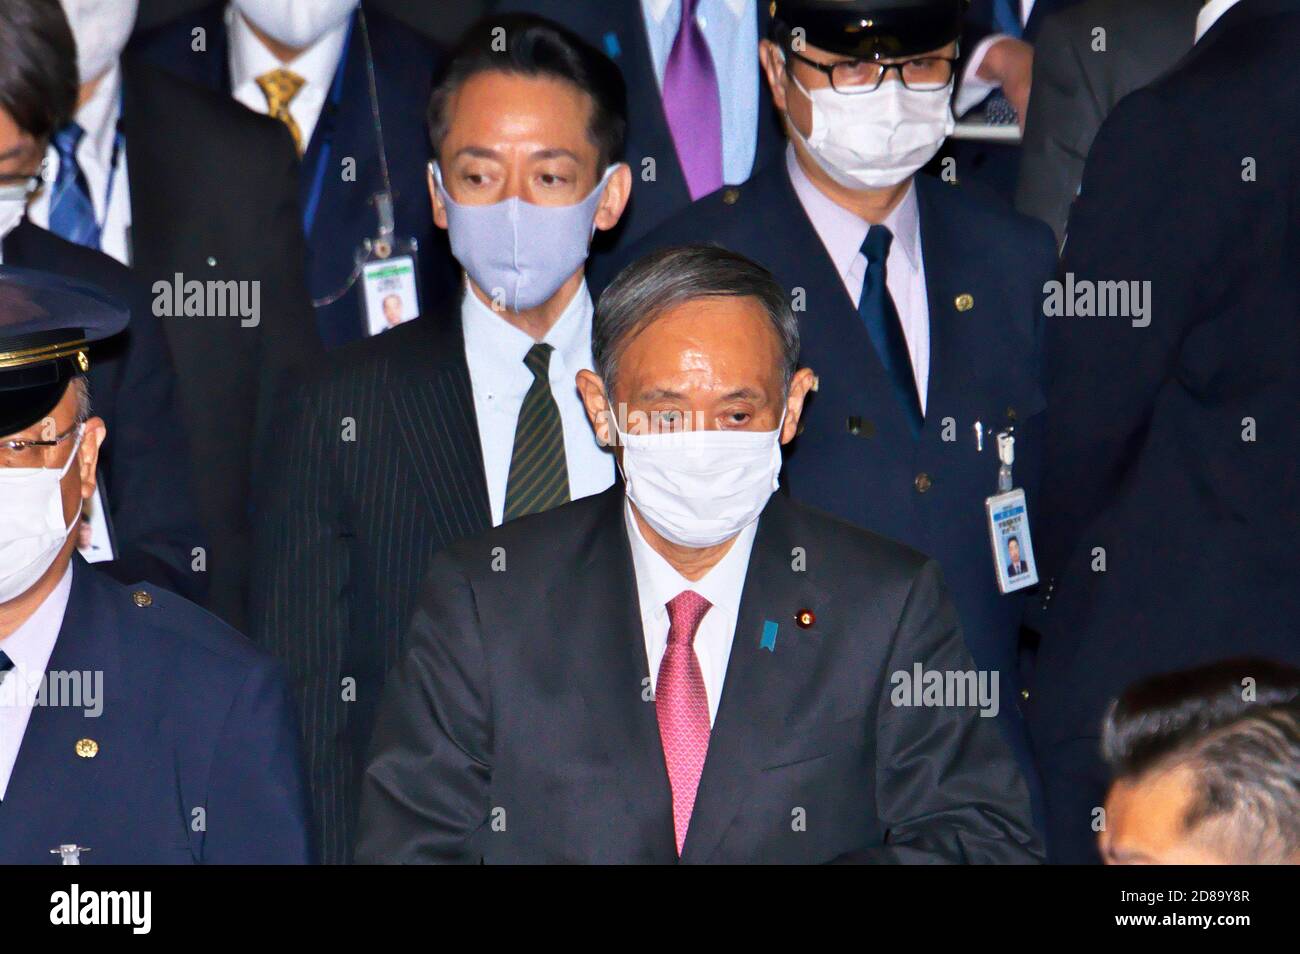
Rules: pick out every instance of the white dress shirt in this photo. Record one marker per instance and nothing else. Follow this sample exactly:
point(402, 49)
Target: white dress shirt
point(657, 583)
point(974, 90)
point(494, 351)
point(1209, 15)
point(842, 233)
point(249, 59)
point(29, 646)
point(95, 154)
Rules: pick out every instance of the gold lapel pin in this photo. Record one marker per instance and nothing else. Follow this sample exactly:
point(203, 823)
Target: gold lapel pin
point(965, 301)
point(87, 748)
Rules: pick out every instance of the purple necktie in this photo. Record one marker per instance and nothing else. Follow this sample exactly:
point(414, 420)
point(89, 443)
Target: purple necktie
point(691, 103)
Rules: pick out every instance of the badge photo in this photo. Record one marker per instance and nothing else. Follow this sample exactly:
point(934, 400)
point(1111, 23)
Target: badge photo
point(1013, 549)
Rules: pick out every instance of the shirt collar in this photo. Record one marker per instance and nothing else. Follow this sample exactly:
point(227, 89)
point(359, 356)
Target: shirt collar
point(842, 232)
point(487, 332)
point(1210, 14)
point(659, 8)
point(249, 58)
point(98, 115)
point(657, 581)
point(32, 643)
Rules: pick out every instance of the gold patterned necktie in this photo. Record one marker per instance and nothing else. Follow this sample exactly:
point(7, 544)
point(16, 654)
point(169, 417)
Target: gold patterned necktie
point(280, 86)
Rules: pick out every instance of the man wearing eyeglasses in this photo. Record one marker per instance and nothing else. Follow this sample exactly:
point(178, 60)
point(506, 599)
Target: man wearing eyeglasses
point(919, 304)
point(134, 727)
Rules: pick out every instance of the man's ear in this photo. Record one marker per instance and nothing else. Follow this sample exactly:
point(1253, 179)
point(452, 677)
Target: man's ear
point(439, 209)
point(802, 382)
point(614, 200)
point(769, 54)
point(92, 436)
point(592, 390)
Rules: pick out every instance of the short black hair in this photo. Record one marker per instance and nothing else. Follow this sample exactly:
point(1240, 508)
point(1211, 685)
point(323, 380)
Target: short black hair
point(1236, 725)
point(526, 45)
point(38, 66)
point(657, 282)
point(1013, 539)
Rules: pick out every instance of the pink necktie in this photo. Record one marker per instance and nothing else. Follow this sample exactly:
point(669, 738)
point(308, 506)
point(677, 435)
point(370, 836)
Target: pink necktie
point(683, 707)
point(692, 105)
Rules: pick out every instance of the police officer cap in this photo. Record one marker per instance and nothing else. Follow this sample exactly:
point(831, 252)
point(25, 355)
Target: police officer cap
point(870, 29)
point(47, 324)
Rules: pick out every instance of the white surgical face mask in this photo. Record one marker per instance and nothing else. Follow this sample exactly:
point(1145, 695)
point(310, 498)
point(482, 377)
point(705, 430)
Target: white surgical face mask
point(13, 205)
point(520, 251)
point(875, 140)
point(32, 530)
point(101, 29)
point(699, 488)
point(296, 23)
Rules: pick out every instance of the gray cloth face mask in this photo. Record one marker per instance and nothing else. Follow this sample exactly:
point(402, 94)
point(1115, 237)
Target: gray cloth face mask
point(518, 253)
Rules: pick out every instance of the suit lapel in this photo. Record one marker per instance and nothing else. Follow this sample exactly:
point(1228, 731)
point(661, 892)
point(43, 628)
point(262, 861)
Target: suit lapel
point(950, 272)
point(602, 603)
point(433, 405)
point(761, 685)
point(51, 782)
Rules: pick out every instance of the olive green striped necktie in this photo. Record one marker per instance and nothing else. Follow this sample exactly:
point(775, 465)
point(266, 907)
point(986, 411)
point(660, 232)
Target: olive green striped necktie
point(539, 474)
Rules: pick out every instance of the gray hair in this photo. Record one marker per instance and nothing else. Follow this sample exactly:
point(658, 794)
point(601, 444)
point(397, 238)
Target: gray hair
point(82, 388)
point(660, 281)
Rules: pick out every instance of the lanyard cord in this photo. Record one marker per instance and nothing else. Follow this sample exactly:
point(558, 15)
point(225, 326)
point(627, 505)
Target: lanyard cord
point(384, 199)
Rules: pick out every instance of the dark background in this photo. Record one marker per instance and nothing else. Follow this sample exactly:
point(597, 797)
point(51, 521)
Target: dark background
point(443, 20)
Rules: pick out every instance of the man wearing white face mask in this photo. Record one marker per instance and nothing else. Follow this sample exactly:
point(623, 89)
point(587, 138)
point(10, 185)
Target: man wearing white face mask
point(463, 419)
point(667, 668)
point(310, 64)
point(920, 304)
point(198, 196)
point(122, 708)
point(142, 521)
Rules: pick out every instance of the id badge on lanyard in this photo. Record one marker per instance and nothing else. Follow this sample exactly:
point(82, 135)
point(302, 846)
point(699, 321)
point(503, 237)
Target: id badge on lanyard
point(1008, 521)
point(390, 288)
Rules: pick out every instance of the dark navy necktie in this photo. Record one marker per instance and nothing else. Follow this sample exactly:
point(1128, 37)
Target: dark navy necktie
point(5, 665)
point(72, 213)
point(876, 308)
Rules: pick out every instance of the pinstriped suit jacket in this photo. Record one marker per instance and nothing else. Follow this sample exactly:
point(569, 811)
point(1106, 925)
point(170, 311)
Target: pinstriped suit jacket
point(377, 467)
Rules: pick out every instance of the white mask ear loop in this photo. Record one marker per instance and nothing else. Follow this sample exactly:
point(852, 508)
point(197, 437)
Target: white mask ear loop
point(67, 466)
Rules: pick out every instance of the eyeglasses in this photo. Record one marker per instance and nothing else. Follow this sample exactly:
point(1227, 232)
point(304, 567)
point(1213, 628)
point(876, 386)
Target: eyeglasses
point(852, 77)
point(31, 453)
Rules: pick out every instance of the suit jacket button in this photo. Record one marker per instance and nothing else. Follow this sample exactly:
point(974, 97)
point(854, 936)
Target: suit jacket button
point(730, 196)
point(142, 599)
point(1024, 694)
point(86, 748)
point(923, 482)
point(965, 301)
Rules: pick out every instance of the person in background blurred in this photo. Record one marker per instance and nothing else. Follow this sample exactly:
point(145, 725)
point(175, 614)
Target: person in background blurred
point(1205, 767)
point(699, 114)
point(142, 523)
point(199, 197)
point(310, 64)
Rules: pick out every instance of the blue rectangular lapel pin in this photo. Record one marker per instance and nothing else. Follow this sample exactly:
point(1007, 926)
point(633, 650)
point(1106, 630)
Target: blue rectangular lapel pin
point(768, 641)
point(612, 48)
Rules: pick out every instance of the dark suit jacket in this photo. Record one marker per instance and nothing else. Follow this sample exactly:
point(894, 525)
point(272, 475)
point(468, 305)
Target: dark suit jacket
point(198, 756)
point(1076, 86)
point(518, 727)
point(144, 467)
point(405, 64)
point(617, 28)
point(856, 456)
point(349, 525)
point(1150, 455)
point(213, 197)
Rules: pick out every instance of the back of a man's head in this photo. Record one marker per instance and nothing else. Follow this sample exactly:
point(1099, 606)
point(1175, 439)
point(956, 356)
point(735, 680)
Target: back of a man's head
point(1206, 766)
